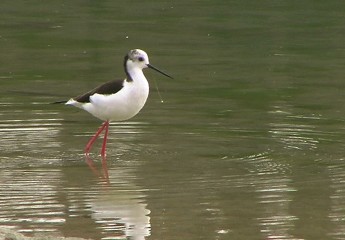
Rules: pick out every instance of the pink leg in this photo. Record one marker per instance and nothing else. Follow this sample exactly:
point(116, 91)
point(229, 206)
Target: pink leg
point(94, 138)
point(103, 151)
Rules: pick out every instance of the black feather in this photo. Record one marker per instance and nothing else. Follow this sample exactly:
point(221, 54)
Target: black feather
point(59, 102)
point(106, 89)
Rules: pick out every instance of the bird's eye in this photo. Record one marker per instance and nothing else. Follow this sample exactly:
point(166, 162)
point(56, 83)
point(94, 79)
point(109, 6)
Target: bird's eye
point(141, 59)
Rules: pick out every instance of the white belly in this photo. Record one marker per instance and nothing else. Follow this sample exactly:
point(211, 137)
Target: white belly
point(120, 106)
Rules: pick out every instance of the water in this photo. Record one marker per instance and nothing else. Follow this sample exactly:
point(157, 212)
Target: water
point(248, 143)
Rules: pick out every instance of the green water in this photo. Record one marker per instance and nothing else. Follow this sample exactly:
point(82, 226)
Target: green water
point(248, 143)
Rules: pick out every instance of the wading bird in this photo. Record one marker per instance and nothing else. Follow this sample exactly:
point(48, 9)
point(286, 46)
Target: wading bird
point(117, 100)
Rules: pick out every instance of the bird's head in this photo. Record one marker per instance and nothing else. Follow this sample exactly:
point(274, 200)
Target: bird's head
point(138, 58)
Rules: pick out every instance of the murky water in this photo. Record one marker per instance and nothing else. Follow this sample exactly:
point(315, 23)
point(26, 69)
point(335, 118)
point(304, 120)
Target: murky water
point(248, 143)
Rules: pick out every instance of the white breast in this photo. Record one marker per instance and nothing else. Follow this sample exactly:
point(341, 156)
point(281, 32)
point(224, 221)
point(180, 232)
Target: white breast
point(122, 105)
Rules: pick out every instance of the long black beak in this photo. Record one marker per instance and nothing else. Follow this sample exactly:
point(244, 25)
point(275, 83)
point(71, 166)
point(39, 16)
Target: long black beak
point(156, 69)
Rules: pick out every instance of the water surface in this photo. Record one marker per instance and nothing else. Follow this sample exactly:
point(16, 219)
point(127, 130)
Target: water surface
point(248, 143)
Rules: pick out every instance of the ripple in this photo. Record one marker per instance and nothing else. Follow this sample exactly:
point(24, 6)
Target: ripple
point(273, 188)
point(294, 131)
point(336, 215)
point(28, 137)
point(39, 200)
point(294, 136)
point(29, 197)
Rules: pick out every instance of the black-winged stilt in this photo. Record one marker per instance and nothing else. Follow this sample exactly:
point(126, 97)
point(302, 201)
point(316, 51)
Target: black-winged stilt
point(117, 100)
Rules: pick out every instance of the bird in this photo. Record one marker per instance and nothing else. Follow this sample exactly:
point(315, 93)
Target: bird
point(117, 100)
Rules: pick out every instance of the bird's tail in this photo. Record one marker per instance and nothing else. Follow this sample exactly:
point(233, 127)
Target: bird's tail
point(59, 102)
point(70, 102)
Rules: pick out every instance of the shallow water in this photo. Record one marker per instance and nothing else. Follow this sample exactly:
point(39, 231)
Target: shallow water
point(248, 143)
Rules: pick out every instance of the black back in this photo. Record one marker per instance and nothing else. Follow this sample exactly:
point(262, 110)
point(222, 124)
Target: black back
point(106, 89)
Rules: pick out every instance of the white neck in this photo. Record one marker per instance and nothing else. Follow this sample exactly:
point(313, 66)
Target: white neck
point(138, 88)
point(136, 74)
point(138, 81)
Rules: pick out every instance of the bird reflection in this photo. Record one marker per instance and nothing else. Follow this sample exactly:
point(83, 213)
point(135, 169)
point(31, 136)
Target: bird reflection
point(119, 206)
point(103, 173)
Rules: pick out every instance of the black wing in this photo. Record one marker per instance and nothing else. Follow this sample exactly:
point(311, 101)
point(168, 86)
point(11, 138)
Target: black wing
point(106, 88)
